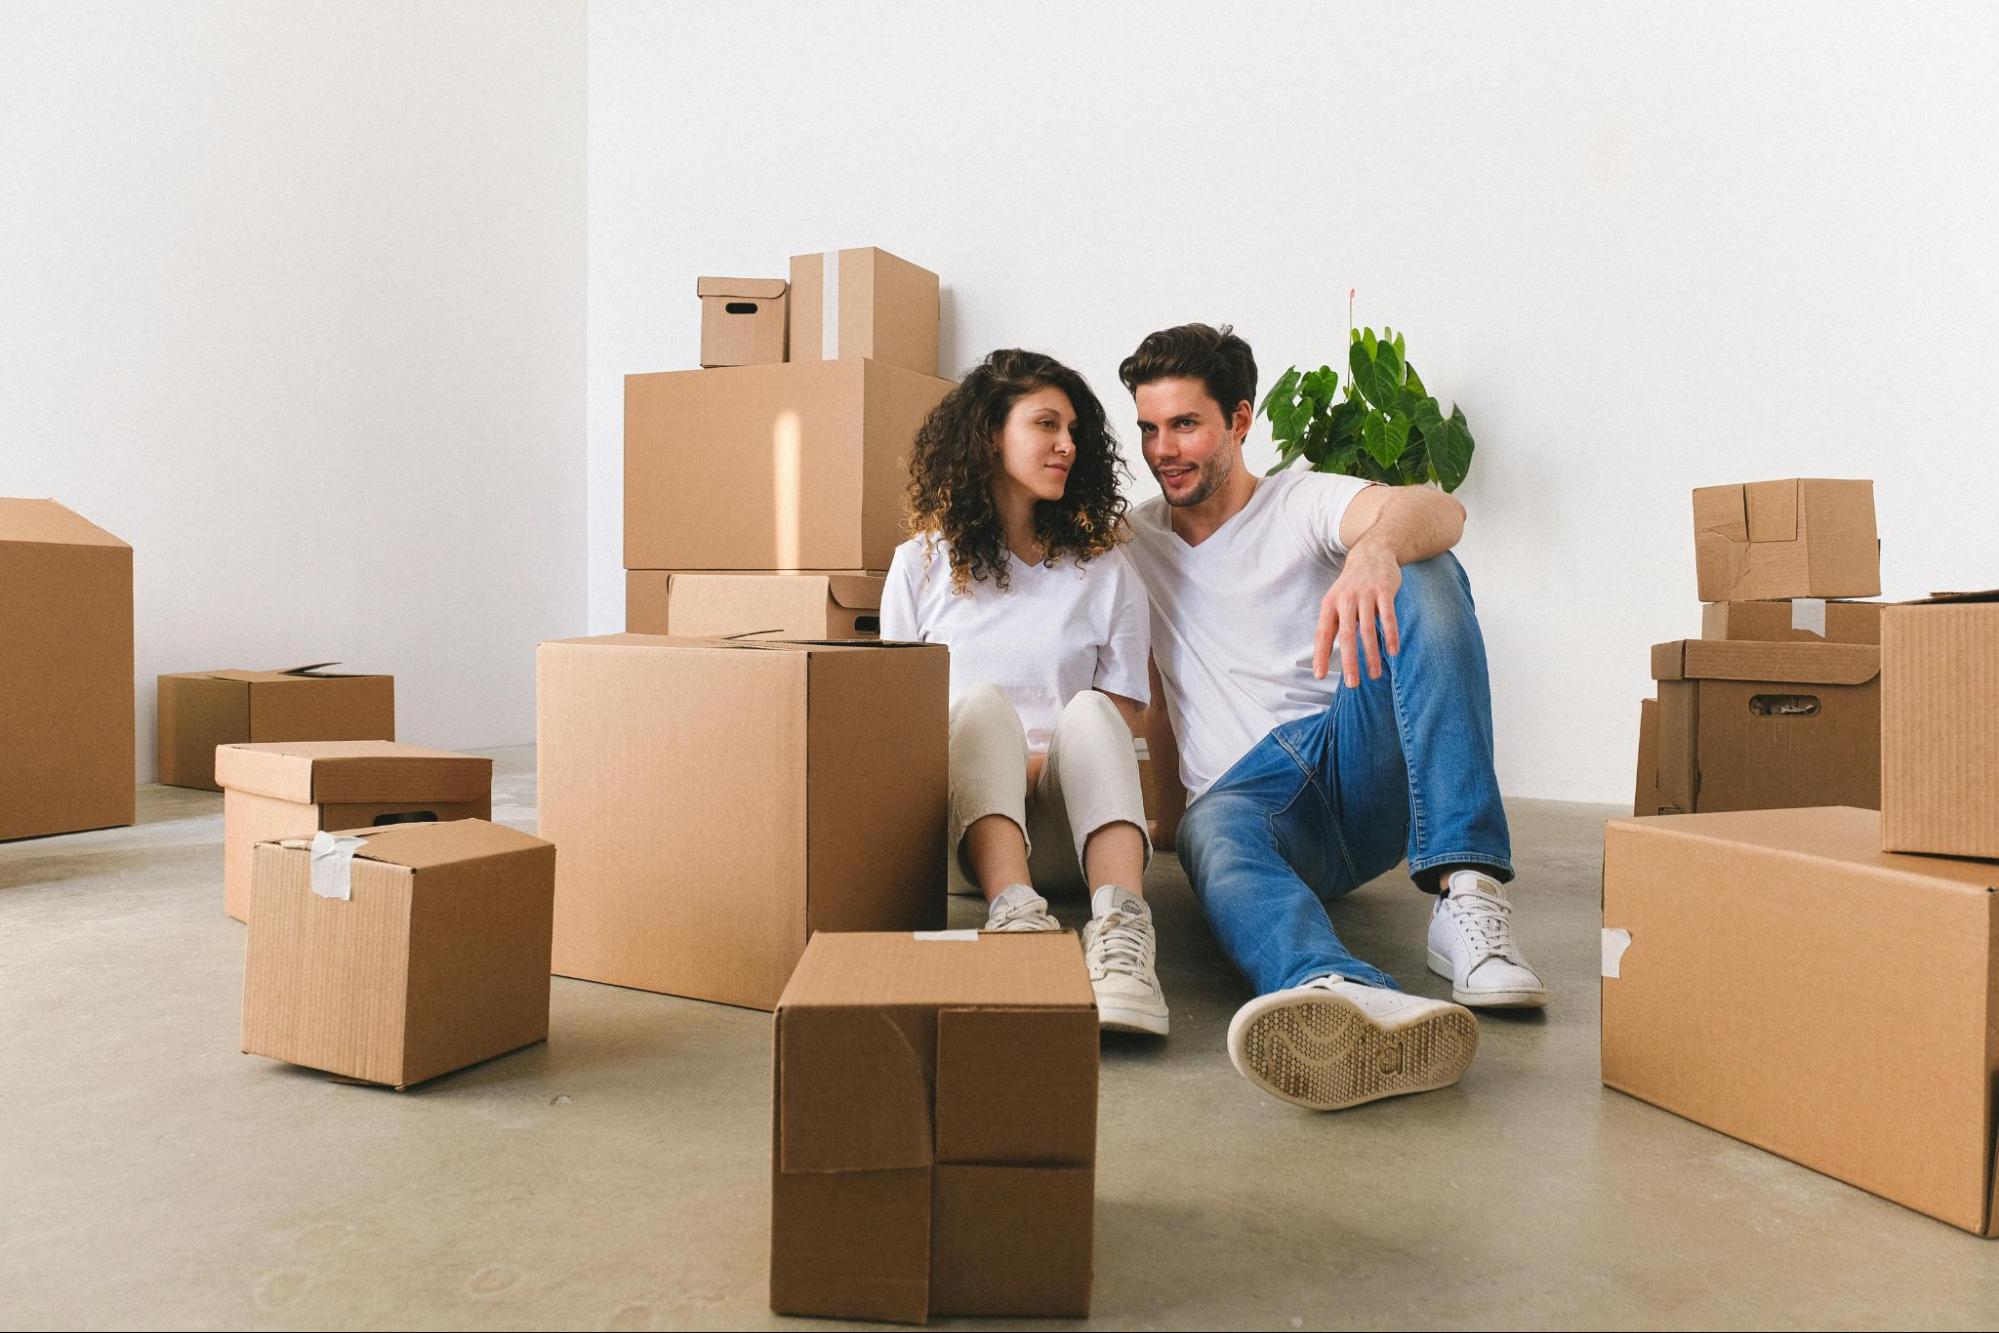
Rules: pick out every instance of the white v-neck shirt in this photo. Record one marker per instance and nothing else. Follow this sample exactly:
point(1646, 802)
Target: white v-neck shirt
point(1055, 631)
point(1233, 618)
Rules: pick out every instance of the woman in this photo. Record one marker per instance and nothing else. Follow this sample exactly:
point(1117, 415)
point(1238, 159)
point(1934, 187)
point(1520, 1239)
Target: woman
point(1015, 506)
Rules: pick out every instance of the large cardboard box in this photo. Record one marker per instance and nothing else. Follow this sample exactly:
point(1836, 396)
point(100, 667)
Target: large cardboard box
point(719, 801)
point(1760, 726)
point(66, 709)
point(935, 1128)
point(743, 320)
point(1776, 976)
point(425, 952)
point(1940, 725)
point(203, 709)
point(1645, 792)
point(1802, 537)
point(1800, 620)
point(697, 604)
point(788, 467)
point(864, 302)
point(293, 789)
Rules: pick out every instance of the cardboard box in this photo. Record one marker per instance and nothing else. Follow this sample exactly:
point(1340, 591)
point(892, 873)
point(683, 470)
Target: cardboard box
point(864, 302)
point(762, 468)
point(718, 801)
point(743, 320)
point(293, 789)
point(1940, 725)
point(697, 604)
point(1761, 726)
point(934, 1128)
point(1802, 537)
point(1801, 620)
point(201, 710)
point(1776, 976)
point(67, 725)
point(436, 957)
point(1645, 794)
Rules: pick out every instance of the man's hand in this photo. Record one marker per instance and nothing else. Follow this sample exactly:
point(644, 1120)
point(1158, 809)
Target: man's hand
point(1362, 596)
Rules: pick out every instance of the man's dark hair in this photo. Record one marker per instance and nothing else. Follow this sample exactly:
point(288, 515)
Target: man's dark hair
point(1214, 356)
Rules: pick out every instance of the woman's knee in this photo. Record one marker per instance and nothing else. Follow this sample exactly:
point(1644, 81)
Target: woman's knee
point(1091, 712)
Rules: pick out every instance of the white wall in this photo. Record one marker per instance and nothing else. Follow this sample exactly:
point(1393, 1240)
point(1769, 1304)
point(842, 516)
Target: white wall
point(291, 298)
point(1645, 248)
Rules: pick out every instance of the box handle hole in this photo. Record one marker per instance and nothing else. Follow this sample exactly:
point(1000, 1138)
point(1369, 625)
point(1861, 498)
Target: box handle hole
point(741, 308)
point(867, 624)
point(1784, 705)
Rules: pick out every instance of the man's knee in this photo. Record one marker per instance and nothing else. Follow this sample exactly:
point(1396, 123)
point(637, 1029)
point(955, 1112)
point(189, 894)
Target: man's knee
point(1437, 586)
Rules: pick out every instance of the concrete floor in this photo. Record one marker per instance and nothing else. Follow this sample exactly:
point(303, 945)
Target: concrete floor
point(617, 1177)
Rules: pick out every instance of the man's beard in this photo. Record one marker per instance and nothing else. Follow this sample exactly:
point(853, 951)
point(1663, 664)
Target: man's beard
point(1213, 476)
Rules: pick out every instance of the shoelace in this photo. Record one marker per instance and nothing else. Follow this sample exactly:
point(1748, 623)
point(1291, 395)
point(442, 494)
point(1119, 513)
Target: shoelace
point(1123, 944)
point(1016, 912)
point(1489, 921)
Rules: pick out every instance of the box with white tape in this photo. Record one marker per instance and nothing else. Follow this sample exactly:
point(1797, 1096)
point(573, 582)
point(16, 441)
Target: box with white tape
point(864, 302)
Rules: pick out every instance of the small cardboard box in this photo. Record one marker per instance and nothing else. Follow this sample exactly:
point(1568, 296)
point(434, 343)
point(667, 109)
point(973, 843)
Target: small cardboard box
point(719, 801)
point(1802, 537)
point(1776, 976)
point(743, 320)
point(864, 302)
point(1800, 620)
point(696, 604)
point(762, 468)
point(293, 789)
point(1645, 794)
point(1940, 725)
point(203, 709)
point(67, 723)
point(1761, 726)
point(424, 953)
point(934, 1128)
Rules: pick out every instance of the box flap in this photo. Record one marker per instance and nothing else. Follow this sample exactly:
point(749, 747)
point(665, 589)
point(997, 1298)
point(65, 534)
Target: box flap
point(1773, 510)
point(985, 971)
point(1017, 1086)
point(1722, 511)
point(422, 846)
point(353, 772)
point(748, 289)
point(857, 592)
point(47, 523)
point(1788, 663)
point(854, 1087)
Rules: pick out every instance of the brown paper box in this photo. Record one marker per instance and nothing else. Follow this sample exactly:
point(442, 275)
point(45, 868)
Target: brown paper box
point(1801, 537)
point(66, 709)
point(293, 789)
point(1645, 794)
point(203, 709)
point(719, 801)
point(698, 604)
point(438, 960)
point(864, 302)
point(1760, 726)
point(1940, 725)
point(934, 1128)
point(1788, 983)
point(762, 468)
point(743, 320)
point(1793, 621)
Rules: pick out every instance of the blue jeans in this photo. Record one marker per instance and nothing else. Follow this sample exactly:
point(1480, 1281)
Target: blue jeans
point(1400, 766)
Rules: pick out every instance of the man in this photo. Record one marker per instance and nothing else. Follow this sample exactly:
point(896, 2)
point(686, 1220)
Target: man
point(1302, 787)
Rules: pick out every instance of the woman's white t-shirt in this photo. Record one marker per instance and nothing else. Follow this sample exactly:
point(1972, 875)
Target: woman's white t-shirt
point(1056, 630)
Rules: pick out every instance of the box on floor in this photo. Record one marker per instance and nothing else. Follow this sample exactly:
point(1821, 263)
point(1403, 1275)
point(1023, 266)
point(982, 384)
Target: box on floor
point(425, 952)
point(1800, 620)
point(864, 302)
point(1776, 976)
point(719, 801)
point(699, 604)
point(200, 710)
point(67, 721)
point(934, 1128)
point(1800, 537)
point(293, 789)
point(1940, 725)
point(744, 321)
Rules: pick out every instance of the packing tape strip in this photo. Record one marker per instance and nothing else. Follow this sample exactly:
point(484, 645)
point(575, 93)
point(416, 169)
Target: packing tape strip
point(1808, 614)
point(829, 306)
point(1615, 942)
point(949, 936)
point(333, 865)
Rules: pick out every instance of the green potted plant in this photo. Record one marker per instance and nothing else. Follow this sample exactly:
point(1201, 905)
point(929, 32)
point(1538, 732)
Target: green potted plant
point(1384, 427)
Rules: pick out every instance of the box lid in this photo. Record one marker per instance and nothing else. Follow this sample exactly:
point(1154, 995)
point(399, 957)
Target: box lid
point(323, 772)
point(748, 289)
point(47, 523)
point(669, 643)
point(424, 846)
point(1742, 659)
point(1837, 834)
point(856, 592)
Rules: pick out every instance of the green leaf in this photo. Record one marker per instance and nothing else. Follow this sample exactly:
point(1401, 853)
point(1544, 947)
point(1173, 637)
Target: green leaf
point(1286, 385)
point(1427, 415)
point(1411, 381)
point(1369, 341)
point(1451, 450)
point(1384, 436)
point(1378, 375)
point(1319, 385)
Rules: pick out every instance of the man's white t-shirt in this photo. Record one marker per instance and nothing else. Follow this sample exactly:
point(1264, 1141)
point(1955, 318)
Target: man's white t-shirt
point(1056, 631)
point(1233, 619)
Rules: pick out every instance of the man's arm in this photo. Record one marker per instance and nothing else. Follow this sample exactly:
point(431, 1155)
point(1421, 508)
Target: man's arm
point(1163, 753)
point(1383, 529)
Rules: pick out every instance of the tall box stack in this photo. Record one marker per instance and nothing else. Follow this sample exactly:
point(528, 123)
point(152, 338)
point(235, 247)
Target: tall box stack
point(782, 459)
point(1777, 704)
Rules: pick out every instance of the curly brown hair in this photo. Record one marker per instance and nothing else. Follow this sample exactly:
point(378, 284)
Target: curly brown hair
point(951, 471)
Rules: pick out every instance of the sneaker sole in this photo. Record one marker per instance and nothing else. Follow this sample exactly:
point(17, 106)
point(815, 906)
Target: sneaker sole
point(1487, 999)
point(1116, 1019)
point(1326, 1053)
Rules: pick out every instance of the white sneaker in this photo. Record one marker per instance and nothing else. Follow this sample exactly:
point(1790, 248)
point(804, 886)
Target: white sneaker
point(1332, 1043)
point(1019, 908)
point(1120, 949)
point(1471, 942)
